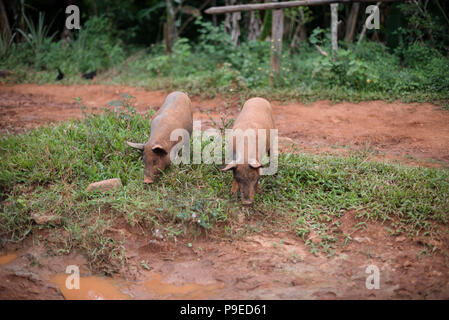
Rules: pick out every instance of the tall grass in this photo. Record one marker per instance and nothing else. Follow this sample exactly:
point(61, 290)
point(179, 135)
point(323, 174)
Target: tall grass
point(36, 35)
point(6, 41)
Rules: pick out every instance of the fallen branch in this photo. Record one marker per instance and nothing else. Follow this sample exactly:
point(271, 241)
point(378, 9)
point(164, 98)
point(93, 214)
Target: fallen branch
point(324, 53)
point(280, 5)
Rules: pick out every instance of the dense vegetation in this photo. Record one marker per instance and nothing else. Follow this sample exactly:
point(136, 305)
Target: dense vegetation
point(408, 59)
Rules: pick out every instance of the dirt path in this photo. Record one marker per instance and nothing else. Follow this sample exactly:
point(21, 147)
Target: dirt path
point(261, 266)
point(411, 133)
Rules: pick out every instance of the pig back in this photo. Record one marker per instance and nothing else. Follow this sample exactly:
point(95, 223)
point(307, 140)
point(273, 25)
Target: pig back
point(255, 114)
point(175, 113)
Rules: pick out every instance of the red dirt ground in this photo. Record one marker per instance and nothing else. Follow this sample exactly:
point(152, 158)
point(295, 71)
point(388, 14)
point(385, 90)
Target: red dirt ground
point(261, 266)
point(412, 133)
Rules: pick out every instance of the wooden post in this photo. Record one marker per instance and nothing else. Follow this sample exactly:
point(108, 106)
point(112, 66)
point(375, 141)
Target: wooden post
point(277, 29)
point(235, 33)
point(352, 22)
point(334, 28)
point(300, 34)
point(170, 27)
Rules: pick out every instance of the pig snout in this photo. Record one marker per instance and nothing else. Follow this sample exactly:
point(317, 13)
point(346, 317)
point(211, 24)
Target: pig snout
point(247, 194)
point(147, 180)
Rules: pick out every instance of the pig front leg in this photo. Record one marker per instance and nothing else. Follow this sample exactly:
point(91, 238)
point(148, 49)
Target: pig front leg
point(235, 186)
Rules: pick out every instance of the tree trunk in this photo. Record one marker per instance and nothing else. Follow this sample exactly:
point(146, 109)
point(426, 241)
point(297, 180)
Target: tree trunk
point(235, 33)
point(170, 33)
point(303, 30)
point(4, 23)
point(255, 26)
point(214, 17)
point(334, 28)
point(227, 22)
point(300, 34)
point(277, 29)
point(352, 22)
point(232, 23)
point(362, 35)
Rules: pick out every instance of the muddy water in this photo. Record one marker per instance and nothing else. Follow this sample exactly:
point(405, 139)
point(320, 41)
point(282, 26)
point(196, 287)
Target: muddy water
point(5, 259)
point(98, 288)
point(91, 288)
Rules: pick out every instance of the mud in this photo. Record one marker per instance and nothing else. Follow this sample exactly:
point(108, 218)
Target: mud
point(7, 258)
point(261, 266)
point(90, 288)
point(415, 133)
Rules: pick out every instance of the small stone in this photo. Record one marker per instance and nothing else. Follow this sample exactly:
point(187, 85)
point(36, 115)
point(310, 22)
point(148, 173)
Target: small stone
point(110, 184)
point(400, 239)
point(364, 239)
point(45, 219)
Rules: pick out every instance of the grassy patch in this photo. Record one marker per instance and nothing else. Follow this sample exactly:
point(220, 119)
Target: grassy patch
point(45, 172)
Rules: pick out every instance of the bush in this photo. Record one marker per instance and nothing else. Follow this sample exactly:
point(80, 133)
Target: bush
point(180, 64)
point(214, 65)
point(94, 47)
point(416, 55)
point(346, 70)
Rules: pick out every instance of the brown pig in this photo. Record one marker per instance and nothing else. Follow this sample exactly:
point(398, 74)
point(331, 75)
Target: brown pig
point(256, 114)
point(175, 113)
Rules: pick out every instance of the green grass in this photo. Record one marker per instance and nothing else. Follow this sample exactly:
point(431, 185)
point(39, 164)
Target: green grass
point(45, 171)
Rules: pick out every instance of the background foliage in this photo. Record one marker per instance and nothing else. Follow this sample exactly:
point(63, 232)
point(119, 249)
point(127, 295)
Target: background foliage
point(123, 41)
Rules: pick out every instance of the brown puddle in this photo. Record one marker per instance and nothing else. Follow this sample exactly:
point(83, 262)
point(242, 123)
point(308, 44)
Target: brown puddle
point(5, 259)
point(97, 288)
point(163, 290)
point(91, 288)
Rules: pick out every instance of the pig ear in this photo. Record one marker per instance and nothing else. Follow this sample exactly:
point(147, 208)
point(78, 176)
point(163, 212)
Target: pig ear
point(158, 149)
point(135, 145)
point(255, 164)
point(230, 166)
